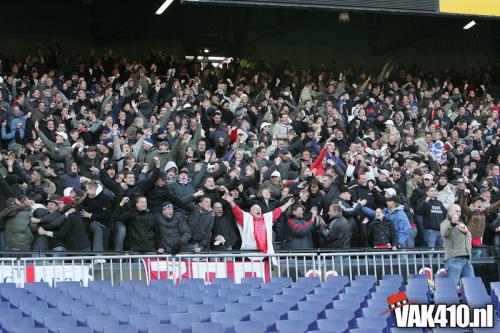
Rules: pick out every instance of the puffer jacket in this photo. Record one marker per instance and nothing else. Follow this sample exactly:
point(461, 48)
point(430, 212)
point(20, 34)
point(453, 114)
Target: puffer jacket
point(18, 230)
point(382, 232)
point(172, 234)
point(140, 229)
point(299, 233)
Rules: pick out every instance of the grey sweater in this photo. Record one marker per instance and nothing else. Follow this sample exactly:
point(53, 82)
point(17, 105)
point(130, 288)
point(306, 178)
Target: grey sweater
point(456, 243)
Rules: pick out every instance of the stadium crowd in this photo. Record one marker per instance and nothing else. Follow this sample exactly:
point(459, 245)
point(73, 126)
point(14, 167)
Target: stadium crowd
point(168, 155)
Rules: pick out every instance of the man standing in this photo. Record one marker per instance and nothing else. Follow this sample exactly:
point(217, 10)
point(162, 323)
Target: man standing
point(337, 234)
point(172, 232)
point(256, 229)
point(457, 246)
point(434, 213)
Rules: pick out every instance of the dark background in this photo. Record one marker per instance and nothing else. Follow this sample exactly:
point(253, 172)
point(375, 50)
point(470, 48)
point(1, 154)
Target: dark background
point(301, 36)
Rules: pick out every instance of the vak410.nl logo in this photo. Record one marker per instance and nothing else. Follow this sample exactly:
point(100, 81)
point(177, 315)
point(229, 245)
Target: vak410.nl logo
point(409, 314)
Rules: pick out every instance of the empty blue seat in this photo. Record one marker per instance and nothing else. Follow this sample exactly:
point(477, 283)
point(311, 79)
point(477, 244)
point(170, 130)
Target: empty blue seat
point(231, 294)
point(141, 304)
point(163, 283)
point(324, 299)
point(207, 327)
point(255, 301)
point(300, 292)
point(31, 330)
point(194, 295)
point(203, 311)
point(332, 291)
point(446, 297)
point(39, 314)
point(209, 289)
point(290, 299)
point(240, 309)
point(97, 323)
point(298, 326)
point(376, 324)
point(80, 313)
point(405, 330)
point(120, 329)
point(266, 294)
point(180, 303)
point(249, 327)
point(418, 297)
point(397, 277)
point(243, 288)
point(348, 304)
point(100, 285)
point(223, 282)
point(390, 288)
point(141, 321)
point(54, 324)
point(164, 328)
point(342, 279)
point(275, 287)
point(314, 280)
point(280, 307)
point(340, 314)
point(193, 282)
point(9, 325)
point(226, 319)
point(121, 313)
point(308, 316)
point(254, 281)
point(218, 301)
point(365, 330)
point(130, 284)
point(76, 330)
point(307, 287)
point(314, 306)
point(64, 284)
point(332, 324)
point(162, 312)
point(418, 277)
point(266, 317)
point(328, 331)
point(184, 320)
point(283, 280)
point(447, 330)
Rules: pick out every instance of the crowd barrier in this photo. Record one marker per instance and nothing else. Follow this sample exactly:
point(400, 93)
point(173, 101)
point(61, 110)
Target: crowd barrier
point(116, 268)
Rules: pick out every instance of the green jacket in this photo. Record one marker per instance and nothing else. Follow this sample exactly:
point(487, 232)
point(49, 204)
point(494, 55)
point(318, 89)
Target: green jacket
point(57, 150)
point(181, 190)
point(18, 233)
point(456, 243)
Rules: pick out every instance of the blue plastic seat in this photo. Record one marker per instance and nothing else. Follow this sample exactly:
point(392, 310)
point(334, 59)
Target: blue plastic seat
point(121, 313)
point(184, 320)
point(80, 313)
point(314, 280)
point(405, 330)
point(194, 295)
point(39, 314)
point(342, 279)
point(223, 282)
point(207, 327)
point(203, 311)
point(446, 297)
point(365, 330)
point(218, 301)
point(249, 327)
point(231, 294)
point(68, 284)
point(285, 281)
point(340, 314)
point(141, 304)
point(162, 312)
point(244, 289)
point(390, 288)
point(120, 329)
point(418, 297)
point(54, 324)
point(298, 326)
point(163, 328)
point(277, 288)
point(315, 306)
point(180, 303)
point(266, 294)
point(300, 292)
point(280, 307)
point(100, 285)
point(266, 317)
point(193, 282)
point(375, 324)
point(307, 316)
point(210, 289)
point(397, 277)
point(348, 304)
point(292, 300)
point(254, 281)
point(31, 330)
point(255, 301)
point(226, 319)
point(240, 309)
point(328, 331)
point(330, 324)
point(9, 325)
point(97, 323)
point(76, 330)
point(130, 284)
point(163, 283)
point(141, 321)
point(325, 299)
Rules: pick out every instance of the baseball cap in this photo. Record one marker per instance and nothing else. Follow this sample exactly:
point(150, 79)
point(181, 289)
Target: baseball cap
point(184, 170)
point(394, 198)
point(390, 191)
point(284, 150)
point(264, 124)
point(238, 113)
point(276, 173)
point(63, 135)
point(389, 122)
point(66, 200)
point(428, 176)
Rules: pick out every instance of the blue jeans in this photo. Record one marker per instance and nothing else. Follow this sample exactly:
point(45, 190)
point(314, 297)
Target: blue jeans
point(433, 238)
point(458, 268)
point(410, 242)
point(120, 232)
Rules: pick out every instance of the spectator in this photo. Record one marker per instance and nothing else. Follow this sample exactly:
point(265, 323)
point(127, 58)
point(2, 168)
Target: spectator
point(299, 229)
point(433, 212)
point(18, 229)
point(381, 231)
point(457, 246)
point(224, 235)
point(200, 220)
point(336, 234)
point(172, 232)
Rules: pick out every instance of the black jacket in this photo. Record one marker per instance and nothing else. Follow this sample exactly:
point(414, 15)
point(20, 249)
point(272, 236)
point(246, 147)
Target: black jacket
point(172, 234)
point(225, 226)
point(140, 188)
point(101, 207)
point(74, 233)
point(433, 212)
point(382, 232)
point(363, 192)
point(337, 234)
point(140, 229)
point(299, 233)
point(200, 223)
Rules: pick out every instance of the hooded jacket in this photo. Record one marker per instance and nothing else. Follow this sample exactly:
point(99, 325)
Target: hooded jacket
point(172, 234)
point(400, 220)
point(101, 207)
